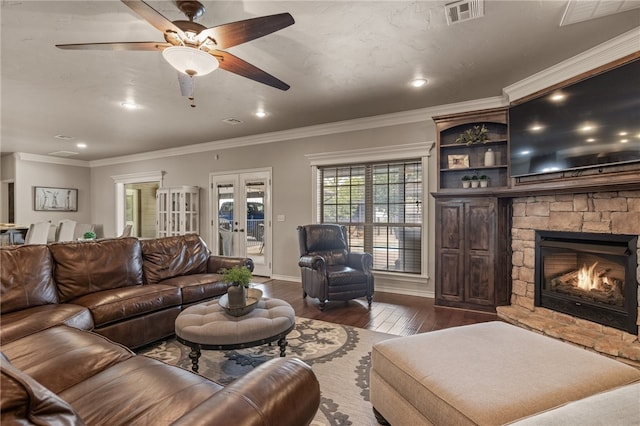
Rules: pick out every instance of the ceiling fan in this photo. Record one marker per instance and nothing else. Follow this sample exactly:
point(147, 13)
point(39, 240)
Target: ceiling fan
point(195, 50)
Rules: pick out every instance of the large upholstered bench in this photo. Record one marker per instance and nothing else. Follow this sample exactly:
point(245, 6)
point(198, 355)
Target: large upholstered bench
point(496, 373)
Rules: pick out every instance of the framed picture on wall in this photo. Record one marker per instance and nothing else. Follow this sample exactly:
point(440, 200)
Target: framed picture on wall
point(46, 198)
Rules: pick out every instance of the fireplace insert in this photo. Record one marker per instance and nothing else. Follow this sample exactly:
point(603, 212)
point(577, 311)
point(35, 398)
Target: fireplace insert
point(590, 276)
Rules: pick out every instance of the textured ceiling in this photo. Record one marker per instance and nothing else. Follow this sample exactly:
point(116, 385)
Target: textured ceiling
point(343, 60)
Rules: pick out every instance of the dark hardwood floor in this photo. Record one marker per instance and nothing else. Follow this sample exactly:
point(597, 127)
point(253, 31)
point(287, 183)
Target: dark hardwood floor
point(390, 313)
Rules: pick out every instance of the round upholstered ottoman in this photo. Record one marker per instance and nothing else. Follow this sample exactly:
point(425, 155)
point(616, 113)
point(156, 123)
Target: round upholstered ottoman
point(208, 326)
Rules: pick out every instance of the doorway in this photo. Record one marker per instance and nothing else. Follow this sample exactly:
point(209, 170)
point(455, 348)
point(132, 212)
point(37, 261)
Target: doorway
point(246, 231)
point(135, 202)
point(140, 208)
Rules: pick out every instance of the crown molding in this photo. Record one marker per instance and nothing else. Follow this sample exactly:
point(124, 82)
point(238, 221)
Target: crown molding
point(395, 152)
point(602, 54)
point(374, 122)
point(152, 176)
point(23, 156)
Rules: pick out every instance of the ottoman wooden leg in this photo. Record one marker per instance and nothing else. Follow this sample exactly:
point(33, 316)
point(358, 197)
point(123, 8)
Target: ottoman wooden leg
point(194, 355)
point(283, 346)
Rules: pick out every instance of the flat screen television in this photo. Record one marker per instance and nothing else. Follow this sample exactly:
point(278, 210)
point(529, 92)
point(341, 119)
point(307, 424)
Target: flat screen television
point(594, 122)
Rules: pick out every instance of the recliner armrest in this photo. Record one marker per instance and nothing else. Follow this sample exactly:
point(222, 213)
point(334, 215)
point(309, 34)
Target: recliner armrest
point(262, 397)
point(312, 262)
point(361, 261)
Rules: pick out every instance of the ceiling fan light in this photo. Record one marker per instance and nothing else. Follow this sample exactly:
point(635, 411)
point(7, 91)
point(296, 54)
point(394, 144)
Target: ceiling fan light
point(190, 61)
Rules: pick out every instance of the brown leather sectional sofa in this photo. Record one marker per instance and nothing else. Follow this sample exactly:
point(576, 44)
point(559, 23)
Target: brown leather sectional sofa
point(72, 311)
point(126, 289)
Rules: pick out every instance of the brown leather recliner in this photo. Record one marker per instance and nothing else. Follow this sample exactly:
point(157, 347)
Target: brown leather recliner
point(329, 270)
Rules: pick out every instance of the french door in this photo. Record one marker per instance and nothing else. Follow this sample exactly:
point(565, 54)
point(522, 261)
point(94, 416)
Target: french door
point(241, 216)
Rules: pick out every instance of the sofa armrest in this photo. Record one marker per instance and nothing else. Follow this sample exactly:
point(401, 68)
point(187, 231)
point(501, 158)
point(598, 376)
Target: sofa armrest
point(282, 391)
point(361, 261)
point(215, 264)
point(311, 262)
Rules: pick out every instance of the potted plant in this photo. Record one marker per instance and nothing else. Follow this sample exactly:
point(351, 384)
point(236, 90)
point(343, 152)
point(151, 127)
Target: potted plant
point(475, 181)
point(484, 181)
point(475, 134)
point(89, 235)
point(466, 181)
point(238, 279)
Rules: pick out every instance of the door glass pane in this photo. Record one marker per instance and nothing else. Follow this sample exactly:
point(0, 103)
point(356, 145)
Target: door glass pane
point(254, 194)
point(225, 218)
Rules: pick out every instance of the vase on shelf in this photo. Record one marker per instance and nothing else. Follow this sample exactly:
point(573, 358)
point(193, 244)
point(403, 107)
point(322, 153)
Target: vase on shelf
point(489, 158)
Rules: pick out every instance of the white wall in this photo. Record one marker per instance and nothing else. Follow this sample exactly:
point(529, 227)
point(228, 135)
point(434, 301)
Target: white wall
point(33, 171)
point(291, 186)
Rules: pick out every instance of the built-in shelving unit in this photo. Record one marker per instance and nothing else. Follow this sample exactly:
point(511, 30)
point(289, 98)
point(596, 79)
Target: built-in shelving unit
point(472, 235)
point(457, 160)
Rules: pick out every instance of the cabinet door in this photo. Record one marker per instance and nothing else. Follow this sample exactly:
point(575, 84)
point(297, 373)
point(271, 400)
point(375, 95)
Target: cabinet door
point(450, 250)
point(162, 211)
point(480, 218)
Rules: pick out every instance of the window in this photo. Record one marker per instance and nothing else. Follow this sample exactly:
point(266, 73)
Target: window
point(381, 204)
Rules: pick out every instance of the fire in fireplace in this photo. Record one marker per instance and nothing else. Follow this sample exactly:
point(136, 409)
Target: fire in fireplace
point(590, 276)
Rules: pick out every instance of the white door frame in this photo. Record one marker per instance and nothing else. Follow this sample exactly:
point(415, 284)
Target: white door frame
point(121, 181)
point(238, 178)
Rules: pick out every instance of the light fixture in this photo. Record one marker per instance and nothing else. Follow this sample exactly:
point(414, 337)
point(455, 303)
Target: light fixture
point(190, 61)
point(81, 145)
point(261, 114)
point(129, 105)
point(418, 82)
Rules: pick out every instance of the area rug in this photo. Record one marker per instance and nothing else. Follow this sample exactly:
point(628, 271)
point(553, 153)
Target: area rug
point(339, 355)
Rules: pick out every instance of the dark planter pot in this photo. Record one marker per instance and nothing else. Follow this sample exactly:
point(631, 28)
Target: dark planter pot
point(237, 295)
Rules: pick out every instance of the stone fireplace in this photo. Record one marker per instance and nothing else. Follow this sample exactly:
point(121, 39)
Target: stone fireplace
point(613, 214)
point(588, 275)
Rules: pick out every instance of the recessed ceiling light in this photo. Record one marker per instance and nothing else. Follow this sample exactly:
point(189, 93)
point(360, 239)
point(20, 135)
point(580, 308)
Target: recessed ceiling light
point(129, 105)
point(81, 145)
point(418, 82)
point(558, 97)
point(261, 114)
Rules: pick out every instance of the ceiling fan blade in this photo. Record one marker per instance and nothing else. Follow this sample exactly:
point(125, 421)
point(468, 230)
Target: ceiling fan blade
point(131, 45)
point(153, 17)
point(235, 33)
point(186, 83)
point(231, 63)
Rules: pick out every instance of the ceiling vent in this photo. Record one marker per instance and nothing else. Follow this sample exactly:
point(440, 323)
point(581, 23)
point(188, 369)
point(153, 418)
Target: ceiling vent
point(232, 121)
point(580, 10)
point(464, 10)
point(63, 154)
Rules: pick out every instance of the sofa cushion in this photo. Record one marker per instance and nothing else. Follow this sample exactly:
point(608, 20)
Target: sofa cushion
point(26, 278)
point(173, 256)
point(16, 325)
point(198, 287)
point(90, 266)
point(64, 356)
point(140, 391)
point(614, 407)
point(25, 401)
point(119, 304)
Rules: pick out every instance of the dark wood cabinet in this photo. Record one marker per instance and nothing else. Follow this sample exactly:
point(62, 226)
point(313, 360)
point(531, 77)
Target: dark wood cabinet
point(473, 249)
point(473, 252)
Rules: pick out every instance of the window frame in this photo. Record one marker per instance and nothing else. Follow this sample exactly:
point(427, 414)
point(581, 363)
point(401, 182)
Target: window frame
point(421, 150)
